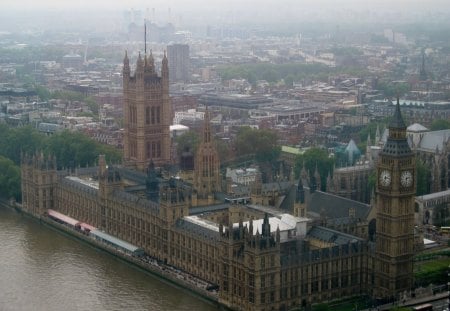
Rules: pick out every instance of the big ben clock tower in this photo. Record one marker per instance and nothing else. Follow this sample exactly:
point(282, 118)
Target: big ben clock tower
point(395, 190)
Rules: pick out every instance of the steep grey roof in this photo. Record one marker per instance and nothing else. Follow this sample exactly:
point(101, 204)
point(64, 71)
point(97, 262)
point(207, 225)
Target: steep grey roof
point(197, 229)
point(208, 208)
point(431, 140)
point(416, 127)
point(334, 206)
point(432, 196)
point(396, 147)
point(276, 186)
point(137, 177)
point(131, 199)
point(332, 236)
point(241, 190)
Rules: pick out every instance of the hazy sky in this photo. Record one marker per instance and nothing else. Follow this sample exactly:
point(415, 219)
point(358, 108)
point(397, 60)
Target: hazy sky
point(235, 4)
point(17, 15)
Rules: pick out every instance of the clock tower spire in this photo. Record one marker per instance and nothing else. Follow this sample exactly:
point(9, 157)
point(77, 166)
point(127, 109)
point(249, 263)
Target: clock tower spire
point(395, 190)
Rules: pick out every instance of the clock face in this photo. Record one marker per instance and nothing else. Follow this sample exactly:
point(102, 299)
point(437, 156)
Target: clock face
point(406, 178)
point(385, 178)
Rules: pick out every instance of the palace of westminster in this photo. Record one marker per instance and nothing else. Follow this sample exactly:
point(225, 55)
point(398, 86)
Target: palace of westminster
point(261, 255)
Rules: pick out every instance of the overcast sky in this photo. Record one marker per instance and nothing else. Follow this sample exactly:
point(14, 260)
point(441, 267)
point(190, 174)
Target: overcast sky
point(235, 4)
point(17, 15)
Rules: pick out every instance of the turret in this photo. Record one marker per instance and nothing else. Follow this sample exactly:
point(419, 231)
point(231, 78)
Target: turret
point(165, 71)
point(304, 175)
point(369, 149)
point(266, 226)
point(149, 64)
point(101, 166)
point(206, 128)
point(329, 183)
point(139, 68)
point(126, 69)
point(377, 135)
point(317, 178)
point(39, 180)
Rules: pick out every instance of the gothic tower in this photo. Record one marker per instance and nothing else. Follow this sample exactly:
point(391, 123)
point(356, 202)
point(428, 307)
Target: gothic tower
point(109, 181)
point(207, 166)
point(146, 113)
point(39, 180)
point(395, 191)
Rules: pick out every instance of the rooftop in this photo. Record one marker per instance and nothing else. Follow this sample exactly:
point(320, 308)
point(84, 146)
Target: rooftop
point(87, 182)
point(332, 236)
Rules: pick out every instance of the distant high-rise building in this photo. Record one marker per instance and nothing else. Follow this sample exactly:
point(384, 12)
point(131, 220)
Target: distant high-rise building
point(147, 114)
point(178, 55)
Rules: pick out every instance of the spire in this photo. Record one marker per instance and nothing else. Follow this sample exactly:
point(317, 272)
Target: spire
point(151, 59)
point(397, 120)
point(126, 62)
point(292, 175)
point(165, 67)
point(422, 71)
point(317, 178)
point(300, 198)
point(145, 38)
point(377, 135)
point(329, 182)
point(304, 173)
point(139, 65)
point(206, 128)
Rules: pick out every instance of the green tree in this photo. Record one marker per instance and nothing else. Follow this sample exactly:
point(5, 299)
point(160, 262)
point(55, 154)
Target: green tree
point(14, 141)
point(76, 149)
point(112, 154)
point(440, 124)
point(92, 104)
point(392, 90)
point(43, 93)
point(275, 72)
point(289, 80)
point(224, 150)
point(187, 141)
point(262, 143)
point(422, 177)
point(372, 180)
point(9, 179)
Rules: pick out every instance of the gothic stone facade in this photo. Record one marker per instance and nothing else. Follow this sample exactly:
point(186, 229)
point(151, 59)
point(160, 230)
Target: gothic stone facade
point(255, 269)
point(147, 114)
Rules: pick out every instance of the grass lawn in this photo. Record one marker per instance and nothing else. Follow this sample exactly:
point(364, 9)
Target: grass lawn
point(434, 271)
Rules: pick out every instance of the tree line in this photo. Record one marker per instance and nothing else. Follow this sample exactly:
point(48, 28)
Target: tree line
point(71, 149)
point(288, 72)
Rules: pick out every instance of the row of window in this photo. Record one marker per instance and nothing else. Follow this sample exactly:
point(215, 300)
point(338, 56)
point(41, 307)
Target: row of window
point(152, 115)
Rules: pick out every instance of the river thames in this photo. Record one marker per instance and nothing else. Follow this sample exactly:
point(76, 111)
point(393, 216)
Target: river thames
point(42, 269)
